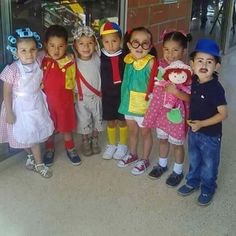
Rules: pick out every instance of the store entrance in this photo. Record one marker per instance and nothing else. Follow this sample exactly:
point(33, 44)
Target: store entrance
point(39, 15)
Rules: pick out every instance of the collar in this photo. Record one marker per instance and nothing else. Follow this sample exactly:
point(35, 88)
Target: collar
point(63, 61)
point(111, 54)
point(138, 64)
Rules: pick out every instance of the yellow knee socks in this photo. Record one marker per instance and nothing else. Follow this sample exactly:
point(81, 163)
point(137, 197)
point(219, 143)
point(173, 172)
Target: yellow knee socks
point(111, 134)
point(123, 135)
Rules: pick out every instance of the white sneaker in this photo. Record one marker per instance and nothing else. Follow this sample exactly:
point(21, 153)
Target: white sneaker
point(30, 162)
point(120, 152)
point(109, 152)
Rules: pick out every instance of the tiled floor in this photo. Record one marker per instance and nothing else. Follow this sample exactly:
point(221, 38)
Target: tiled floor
point(98, 198)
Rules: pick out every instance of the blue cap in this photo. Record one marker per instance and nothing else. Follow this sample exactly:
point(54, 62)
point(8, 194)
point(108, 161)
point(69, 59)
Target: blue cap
point(207, 46)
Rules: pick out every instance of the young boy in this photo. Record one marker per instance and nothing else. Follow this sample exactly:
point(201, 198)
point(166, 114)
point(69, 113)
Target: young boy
point(112, 66)
point(58, 85)
point(208, 108)
point(88, 103)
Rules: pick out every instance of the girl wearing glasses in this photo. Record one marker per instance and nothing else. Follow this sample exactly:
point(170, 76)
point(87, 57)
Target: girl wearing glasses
point(174, 48)
point(139, 62)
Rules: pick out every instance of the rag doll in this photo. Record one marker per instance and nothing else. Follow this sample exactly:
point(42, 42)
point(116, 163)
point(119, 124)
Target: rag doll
point(179, 74)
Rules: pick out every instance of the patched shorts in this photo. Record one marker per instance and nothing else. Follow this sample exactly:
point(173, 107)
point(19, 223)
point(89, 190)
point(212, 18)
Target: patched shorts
point(89, 114)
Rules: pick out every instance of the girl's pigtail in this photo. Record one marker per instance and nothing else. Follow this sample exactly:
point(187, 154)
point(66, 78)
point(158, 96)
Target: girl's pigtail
point(189, 37)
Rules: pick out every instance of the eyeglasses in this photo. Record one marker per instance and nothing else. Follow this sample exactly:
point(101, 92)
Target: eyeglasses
point(145, 45)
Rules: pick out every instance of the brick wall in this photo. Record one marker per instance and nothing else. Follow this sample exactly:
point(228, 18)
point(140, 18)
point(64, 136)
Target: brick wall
point(157, 16)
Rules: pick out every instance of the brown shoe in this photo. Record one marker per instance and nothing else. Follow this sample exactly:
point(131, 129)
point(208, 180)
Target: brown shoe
point(95, 146)
point(87, 148)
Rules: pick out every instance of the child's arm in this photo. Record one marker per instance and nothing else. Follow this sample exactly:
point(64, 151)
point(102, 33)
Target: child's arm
point(220, 116)
point(171, 88)
point(7, 96)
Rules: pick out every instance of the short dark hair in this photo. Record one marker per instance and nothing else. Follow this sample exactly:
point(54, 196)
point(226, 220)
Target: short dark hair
point(56, 30)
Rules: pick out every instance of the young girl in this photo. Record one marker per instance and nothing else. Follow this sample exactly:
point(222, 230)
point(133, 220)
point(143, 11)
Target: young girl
point(24, 119)
point(112, 66)
point(174, 48)
point(89, 103)
point(139, 63)
point(58, 84)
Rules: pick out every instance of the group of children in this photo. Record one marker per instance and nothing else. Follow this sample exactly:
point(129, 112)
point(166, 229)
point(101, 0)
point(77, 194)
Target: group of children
point(125, 86)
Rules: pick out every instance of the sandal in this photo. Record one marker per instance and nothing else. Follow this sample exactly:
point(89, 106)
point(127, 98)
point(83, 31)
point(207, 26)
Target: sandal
point(43, 170)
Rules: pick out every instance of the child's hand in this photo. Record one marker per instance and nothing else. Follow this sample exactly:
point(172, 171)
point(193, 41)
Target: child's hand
point(10, 118)
point(171, 88)
point(194, 124)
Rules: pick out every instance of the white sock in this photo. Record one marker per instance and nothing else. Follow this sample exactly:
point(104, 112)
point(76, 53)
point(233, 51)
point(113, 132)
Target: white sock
point(163, 161)
point(178, 168)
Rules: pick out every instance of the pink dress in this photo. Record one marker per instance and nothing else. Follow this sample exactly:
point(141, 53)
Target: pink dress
point(156, 115)
point(33, 123)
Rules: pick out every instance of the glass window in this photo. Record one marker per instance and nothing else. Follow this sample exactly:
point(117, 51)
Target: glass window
point(39, 15)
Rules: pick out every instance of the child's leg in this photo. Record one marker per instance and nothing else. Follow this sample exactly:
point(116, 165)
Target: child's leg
point(86, 145)
point(36, 151)
point(122, 132)
point(141, 166)
point(111, 132)
point(179, 158)
point(70, 148)
point(177, 175)
point(122, 147)
point(111, 139)
point(30, 163)
point(48, 156)
point(147, 142)
point(161, 166)
point(95, 145)
point(39, 165)
point(133, 130)
point(49, 145)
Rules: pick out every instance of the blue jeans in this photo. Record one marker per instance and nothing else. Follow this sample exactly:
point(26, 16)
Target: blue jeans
point(204, 159)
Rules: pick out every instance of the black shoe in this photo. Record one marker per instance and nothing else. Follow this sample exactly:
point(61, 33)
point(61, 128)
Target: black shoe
point(73, 156)
point(48, 157)
point(157, 172)
point(174, 179)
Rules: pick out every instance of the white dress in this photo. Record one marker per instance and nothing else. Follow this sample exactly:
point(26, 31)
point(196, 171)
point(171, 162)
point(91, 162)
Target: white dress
point(33, 123)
